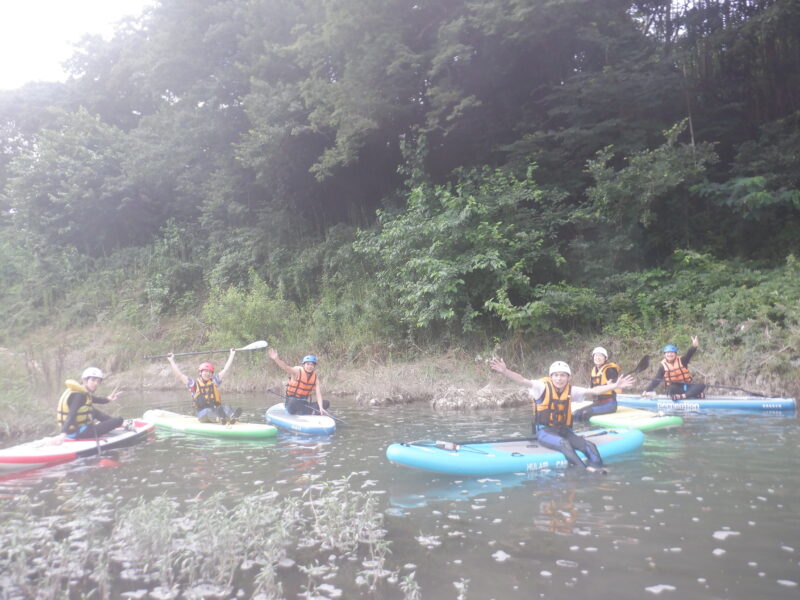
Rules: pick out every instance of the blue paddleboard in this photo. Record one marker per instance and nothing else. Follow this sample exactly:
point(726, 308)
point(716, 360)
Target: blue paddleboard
point(310, 424)
point(709, 403)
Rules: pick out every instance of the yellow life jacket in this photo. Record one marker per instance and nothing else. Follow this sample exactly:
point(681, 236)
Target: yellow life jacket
point(206, 394)
point(676, 372)
point(600, 377)
point(554, 408)
point(303, 386)
point(83, 416)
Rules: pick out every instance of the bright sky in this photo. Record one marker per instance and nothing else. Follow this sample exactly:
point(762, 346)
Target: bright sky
point(36, 36)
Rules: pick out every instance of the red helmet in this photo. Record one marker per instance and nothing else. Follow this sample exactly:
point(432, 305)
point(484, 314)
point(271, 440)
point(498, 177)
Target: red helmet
point(206, 366)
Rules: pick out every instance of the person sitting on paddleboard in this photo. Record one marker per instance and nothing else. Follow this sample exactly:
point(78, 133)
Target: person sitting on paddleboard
point(302, 381)
point(603, 371)
point(674, 372)
point(205, 392)
point(78, 417)
point(552, 404)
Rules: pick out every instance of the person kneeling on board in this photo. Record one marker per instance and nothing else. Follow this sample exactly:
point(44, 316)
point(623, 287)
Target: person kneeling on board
point(78, 417)
point(674, 373)
point(302, 382)
point(552, 404)
point(603, 371)
point(205, 392)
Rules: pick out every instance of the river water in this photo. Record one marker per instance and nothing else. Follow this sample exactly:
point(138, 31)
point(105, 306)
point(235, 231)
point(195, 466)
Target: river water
point(706, 511)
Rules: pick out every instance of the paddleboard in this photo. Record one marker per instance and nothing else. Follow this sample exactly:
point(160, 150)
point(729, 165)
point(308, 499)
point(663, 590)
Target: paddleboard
point(627, 417)
point(311, 424)
point(516, 455)
point(709, 403)
point(164, 419)
point(45, 453)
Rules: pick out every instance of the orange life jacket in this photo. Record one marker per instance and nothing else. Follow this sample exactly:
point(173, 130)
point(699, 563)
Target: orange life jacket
point(600, 377)
point(553, 408)
point(303, 386)
point(206, 394)
point(676, 372)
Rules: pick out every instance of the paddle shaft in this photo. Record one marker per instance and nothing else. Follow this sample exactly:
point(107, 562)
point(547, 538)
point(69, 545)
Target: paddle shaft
point(729, 387)
point(532, 440)
point(316, 410)
point(96, 439)
point(253, 346)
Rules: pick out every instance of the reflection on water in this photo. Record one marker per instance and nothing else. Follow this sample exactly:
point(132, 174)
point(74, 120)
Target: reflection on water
point(709, 510)
point(559, 514)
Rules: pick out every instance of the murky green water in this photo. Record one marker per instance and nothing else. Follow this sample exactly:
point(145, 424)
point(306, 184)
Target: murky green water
point(705, 512)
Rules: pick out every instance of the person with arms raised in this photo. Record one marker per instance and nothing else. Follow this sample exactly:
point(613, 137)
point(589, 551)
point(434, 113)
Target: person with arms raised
point(205, 391)
point(303, 381)
point(552, 404)
point(674, 373)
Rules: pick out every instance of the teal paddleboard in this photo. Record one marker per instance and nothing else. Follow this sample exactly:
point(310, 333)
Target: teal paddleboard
point(515, 455)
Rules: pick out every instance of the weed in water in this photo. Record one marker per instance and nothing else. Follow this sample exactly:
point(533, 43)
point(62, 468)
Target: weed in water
point(205, 547)
point(410, 587)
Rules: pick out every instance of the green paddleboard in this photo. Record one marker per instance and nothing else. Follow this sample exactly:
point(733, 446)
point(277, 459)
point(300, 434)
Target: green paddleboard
point(165, 419)
point(632, 418)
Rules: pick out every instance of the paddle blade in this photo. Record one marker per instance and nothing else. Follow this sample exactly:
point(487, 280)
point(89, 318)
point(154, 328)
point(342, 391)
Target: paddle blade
point(254, 346)
point(642, 365)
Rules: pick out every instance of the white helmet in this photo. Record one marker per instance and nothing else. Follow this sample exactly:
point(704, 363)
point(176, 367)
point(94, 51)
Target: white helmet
point(92, 372)
point(560, 367)
point(600, 350)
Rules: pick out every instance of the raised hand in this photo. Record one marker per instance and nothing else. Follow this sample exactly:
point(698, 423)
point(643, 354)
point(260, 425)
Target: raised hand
point(498, 364)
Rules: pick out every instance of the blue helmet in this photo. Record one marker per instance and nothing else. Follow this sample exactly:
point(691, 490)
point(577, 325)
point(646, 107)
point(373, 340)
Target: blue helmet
point(670, 348)
point(310, 358)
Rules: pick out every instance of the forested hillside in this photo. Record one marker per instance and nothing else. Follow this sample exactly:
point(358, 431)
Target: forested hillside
point(368, 176)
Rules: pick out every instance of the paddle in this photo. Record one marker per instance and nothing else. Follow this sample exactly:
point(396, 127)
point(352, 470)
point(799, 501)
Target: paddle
point(316, 410)
point(731, 387)
point(641, 365)
point(645, 362)
point(254, 346)
point(96, 439)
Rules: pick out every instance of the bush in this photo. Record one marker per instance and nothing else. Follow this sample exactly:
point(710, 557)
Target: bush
point(455, 248)
point(238, 316)
point(354, 321)
point(173, 279)
point(555, 308)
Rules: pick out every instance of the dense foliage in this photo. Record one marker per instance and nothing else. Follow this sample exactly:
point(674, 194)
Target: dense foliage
point(359, 173)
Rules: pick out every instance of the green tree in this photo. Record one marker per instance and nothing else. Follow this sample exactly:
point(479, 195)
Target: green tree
point(68, 189)
point(645, 209)
point(456, 247)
